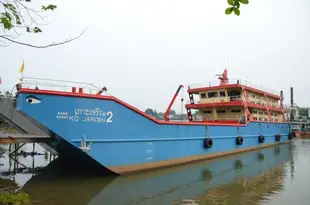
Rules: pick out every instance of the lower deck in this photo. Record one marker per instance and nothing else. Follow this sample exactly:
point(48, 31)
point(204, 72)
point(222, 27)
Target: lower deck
point(236, 115)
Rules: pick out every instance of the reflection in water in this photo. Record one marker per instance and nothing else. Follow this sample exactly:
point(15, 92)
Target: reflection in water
point(247, 190)
point(238, 164)
point(248, 178)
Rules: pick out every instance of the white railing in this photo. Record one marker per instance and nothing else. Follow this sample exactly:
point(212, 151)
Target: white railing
point(219, 99)
point(220, 117)
point(58, 85)
point(234, 81)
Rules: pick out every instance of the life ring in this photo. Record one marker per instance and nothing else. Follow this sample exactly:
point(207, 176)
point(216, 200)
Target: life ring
point(208, 143)
point(261, 139)
point(278, 137)
point(239, 140)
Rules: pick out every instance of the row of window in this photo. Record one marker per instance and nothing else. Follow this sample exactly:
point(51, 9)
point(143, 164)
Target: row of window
point(221, 111)
point(213, 94)
point(216, 94)
point(265, 119)
point(262, 98)
point(239, 110)
point(263, 113)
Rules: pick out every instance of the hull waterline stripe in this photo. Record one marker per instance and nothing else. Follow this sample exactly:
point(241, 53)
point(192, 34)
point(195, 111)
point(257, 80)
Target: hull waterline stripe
point(136, 168)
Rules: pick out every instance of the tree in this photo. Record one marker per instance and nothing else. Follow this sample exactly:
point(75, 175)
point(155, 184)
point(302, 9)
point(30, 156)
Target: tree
point(155, 113)
point(196, 113)
point(172, 112)
point(16, 16)
point(149, 111)
point(234, 6)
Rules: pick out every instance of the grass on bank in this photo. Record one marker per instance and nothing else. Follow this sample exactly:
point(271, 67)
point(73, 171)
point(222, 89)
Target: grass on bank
point(8, 198)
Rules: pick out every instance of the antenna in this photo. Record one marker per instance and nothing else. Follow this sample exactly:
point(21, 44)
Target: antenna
point(225, 66)
point(226, 63)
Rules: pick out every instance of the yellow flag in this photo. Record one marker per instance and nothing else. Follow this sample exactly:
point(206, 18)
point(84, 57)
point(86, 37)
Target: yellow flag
point(22, 68)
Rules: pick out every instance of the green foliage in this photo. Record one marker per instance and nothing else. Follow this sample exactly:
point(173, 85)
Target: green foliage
point(234, 6)
point(49, 7)
point(197, 112)
point(172, 112)
point(303, 112)
point(149, 111)
point(7, 198)
point(12, 17)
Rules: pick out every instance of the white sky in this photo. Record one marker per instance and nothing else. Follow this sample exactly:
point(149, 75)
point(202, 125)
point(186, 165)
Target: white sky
point(142, 49)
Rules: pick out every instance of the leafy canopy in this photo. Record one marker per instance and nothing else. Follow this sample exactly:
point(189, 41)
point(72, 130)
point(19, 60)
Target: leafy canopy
point(12, 15)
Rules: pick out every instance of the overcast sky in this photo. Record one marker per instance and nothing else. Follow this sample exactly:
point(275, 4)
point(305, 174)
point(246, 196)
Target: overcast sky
point(142, 49)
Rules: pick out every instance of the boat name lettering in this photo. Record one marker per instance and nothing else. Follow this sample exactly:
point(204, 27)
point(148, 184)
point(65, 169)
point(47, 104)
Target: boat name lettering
point(90, 112)
point(88, 115)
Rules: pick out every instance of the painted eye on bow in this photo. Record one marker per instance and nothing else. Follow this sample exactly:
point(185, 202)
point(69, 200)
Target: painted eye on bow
point(32, 99)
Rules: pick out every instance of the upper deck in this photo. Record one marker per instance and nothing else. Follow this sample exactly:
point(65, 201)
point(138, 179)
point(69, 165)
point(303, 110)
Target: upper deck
point(220, 100)
point(232, 83)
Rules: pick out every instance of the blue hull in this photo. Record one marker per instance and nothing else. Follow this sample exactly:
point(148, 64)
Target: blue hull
point(124, 140)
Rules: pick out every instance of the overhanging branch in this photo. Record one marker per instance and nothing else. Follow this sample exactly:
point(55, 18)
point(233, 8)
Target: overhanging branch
point(36, 46)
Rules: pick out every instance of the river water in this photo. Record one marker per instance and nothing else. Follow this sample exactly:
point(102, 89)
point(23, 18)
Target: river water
point(271, 176)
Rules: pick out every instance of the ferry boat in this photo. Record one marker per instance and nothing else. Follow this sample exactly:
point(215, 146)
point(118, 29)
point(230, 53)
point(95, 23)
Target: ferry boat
point(100, 130)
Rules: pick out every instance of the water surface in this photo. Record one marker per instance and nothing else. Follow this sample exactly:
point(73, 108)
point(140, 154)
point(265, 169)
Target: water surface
point(276, 175)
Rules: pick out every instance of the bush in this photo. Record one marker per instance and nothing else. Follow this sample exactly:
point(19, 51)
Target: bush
point(7, 198)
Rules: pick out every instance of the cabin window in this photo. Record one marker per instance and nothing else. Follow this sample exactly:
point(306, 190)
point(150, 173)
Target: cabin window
point(255, 111)
point(260, 112)
point(221, 111)
point(235, 110)
point(203, 95)
point(233, 93)
point(253, 96)
point(222, 94)
point(206, 112)
point(212, 94)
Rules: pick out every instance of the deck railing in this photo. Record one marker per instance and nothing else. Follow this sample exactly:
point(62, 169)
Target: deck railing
point(222, 99)
point(234, 81)
point(220, 117)
point(58, 85)
point(219, 99)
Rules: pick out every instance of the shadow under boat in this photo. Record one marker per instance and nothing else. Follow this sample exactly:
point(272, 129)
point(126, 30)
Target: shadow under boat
point(164, 186)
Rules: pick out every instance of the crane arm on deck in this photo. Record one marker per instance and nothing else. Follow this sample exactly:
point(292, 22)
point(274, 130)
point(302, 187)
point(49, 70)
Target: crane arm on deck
point(171, 103)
